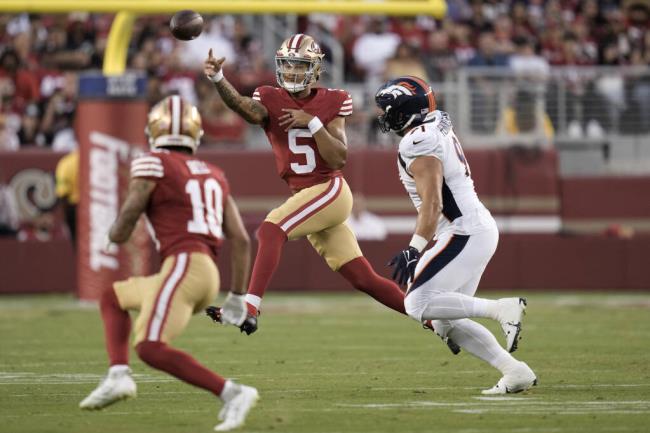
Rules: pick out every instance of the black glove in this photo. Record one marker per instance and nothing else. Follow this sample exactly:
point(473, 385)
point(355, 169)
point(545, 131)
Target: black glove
point(405, 263)
point(249, 326)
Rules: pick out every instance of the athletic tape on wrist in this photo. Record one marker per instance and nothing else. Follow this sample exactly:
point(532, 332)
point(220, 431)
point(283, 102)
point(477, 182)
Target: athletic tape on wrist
point(418, 242)
point(314, 125)
point(217, 77)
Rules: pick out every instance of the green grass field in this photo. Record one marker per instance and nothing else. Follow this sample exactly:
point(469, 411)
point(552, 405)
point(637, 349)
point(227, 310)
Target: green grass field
point(338, 363)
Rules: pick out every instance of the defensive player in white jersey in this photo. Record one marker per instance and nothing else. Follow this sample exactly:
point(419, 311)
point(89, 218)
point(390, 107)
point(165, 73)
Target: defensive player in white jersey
point(442, 281)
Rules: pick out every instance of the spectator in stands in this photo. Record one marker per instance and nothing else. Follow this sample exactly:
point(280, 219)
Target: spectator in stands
point(192, 53)
point(57, 124)
point(405, 62)
point(18, 85)
point(67, 190)
point(441, 59)
point(487, 54)
point(526, 63)
point(365, 225)
point(29, 132)
point(484, 108)
point(526, 121)
point(373, 49)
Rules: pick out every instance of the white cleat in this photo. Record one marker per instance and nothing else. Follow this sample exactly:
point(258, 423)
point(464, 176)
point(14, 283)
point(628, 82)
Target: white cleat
point(511, 311)
point(519, 379)
point(117, 385)
point(234, 411)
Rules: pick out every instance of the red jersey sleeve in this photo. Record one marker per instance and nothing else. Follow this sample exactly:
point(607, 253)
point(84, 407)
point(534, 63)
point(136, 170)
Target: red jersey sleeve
point(345, 108)
point(147, 166)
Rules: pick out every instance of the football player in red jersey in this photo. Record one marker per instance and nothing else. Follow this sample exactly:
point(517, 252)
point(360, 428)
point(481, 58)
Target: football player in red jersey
point(306, 128)
point(190, 212)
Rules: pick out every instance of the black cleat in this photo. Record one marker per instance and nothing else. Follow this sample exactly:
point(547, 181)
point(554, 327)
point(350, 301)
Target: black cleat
point(249, 326)
point(451, 344)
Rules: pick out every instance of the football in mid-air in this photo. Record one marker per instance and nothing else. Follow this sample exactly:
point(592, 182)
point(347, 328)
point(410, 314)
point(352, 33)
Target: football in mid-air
point(186, 25)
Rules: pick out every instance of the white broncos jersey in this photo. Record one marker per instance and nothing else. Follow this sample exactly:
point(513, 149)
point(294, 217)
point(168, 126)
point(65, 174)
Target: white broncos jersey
point(462, 211)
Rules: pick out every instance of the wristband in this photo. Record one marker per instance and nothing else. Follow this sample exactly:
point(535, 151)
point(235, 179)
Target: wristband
point(217, 77)
point(418, 242)
point(314, 125)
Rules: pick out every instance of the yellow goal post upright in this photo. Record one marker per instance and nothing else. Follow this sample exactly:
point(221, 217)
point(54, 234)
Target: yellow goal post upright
point(126, 11)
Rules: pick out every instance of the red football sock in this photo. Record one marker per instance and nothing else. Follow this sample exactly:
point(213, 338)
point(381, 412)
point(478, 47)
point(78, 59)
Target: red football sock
point(179, 364)
point(361, 275)
point(117, 328)
point(271, 240)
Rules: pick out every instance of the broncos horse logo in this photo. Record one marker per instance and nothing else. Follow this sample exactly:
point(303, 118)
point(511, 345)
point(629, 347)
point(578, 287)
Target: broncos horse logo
point(398, 89)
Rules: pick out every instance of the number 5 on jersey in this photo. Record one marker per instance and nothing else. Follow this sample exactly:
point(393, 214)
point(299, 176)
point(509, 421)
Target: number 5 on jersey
point(301, 149)
point(207, 207)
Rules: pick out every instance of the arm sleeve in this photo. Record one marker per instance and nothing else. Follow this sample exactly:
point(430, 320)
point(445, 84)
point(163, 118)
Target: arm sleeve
point(147, 167)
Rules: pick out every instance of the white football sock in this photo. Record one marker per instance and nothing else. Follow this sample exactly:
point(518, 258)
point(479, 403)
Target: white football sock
point(454, 306)
point(477, 340)
point(118, 369)
point(230, 389)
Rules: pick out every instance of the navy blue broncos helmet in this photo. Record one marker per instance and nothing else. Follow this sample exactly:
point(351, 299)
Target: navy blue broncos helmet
point(405, 101)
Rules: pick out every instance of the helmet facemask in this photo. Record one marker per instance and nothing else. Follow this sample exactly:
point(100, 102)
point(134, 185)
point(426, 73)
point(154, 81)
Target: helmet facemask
point(295, 74)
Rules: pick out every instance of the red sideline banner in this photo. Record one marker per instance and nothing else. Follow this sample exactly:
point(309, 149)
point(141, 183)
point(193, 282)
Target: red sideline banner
point(109, 131)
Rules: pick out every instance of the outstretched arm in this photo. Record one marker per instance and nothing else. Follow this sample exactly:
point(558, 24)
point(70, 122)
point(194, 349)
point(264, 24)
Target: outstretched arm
point(136, 202)
point(251, 110)
point(331, 139)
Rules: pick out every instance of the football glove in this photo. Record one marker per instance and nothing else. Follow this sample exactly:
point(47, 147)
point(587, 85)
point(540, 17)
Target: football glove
point(404, 263)
point(249, 326)
point(233, 311)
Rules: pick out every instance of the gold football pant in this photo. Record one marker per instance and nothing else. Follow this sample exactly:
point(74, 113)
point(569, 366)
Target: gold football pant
point(185, 285)
point(319, 212)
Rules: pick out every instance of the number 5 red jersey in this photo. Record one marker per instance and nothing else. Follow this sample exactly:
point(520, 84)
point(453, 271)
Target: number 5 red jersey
point(296, 153)
point(185, 210)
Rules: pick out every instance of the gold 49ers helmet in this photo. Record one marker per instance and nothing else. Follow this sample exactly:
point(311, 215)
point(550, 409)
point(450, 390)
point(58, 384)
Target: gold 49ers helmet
point(174, 122)
point(298, 62)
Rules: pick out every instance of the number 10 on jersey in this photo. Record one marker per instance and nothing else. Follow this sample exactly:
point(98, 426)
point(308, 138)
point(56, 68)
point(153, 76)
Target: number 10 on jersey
point(207, 207)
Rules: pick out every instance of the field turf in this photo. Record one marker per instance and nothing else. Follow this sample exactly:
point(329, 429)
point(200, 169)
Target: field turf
point(338, 364)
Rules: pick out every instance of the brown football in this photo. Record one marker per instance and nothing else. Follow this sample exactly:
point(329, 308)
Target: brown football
point(186, 25)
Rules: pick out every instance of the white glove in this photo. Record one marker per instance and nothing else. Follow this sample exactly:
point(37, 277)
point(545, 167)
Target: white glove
point(109, 246)
point(233, 311)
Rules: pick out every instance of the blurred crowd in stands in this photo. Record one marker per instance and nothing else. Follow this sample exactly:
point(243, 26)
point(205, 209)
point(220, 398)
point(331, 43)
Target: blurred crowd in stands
point(41, 56)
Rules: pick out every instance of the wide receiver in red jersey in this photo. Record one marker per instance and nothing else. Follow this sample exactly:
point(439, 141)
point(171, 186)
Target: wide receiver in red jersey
point(306, 128)
point(188, 206)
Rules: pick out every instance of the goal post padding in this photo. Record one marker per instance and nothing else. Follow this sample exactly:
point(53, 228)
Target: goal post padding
point(109, 124)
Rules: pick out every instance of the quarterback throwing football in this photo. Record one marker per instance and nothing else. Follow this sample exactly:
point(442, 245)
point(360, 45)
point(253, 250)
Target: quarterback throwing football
point(190, 212)
point(442, 281)
point(306, 128)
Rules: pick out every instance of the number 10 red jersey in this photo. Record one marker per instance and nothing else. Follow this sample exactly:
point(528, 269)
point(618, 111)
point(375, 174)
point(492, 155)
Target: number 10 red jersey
point(185, 210)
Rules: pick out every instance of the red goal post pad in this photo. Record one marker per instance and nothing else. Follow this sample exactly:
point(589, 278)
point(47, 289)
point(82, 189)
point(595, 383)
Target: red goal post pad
point(110, 121)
